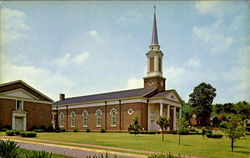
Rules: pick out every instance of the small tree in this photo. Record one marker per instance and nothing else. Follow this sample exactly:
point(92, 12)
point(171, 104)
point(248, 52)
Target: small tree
point(233, 128)
point(181, 125)
point(135, 126)
point(203, 131)
point(164, 123)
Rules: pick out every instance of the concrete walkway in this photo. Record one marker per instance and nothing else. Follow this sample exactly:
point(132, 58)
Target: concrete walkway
point(80, 150)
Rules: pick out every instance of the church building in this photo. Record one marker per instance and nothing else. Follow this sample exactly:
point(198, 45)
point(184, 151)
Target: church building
point(115, 111)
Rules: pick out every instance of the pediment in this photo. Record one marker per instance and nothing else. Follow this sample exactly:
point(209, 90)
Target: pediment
point(172, 96)
point(19, 93)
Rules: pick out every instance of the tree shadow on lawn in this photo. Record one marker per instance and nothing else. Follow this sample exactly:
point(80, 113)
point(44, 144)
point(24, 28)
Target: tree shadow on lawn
point(239, 147)
point(243, 152)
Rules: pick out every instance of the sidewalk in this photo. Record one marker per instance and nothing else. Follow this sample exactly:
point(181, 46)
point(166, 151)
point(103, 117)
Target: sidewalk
point(87, 147)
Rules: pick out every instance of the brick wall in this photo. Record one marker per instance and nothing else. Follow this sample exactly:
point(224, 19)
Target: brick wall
point(139, 109)
point(38, 114)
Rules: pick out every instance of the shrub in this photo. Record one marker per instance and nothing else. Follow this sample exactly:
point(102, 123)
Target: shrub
point(192, 130)
point(174, 132)
point(87, 130)
point(151, 132)
point(217, 136)
point(28, 134)
point(134, 132)
point(10, 133)
point(184, 131)
point(38, 154)
point(51, 129)
point(62, 129)
point(103, 130)
point(143, 132)
point(9, 149)
point(16, 132)
point(164, 155)
point(75, 130)
point(8, 127)
point(210, 131)
point(43, 127)
point(39, 130)
point(33, 128)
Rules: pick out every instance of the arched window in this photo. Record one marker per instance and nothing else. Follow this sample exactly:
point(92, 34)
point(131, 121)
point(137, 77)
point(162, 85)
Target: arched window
point(85, 118)
point(72, 118)
point(98, 118)
point(113, 114)
point(61, 119)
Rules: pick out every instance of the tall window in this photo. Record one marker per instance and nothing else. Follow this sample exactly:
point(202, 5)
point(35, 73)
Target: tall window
point(85, 118)
point(113, 113)
point(72, 118)
point(19, 105)
point(152, 64)
point(98, 118)
point(160, 64)
point(61, 119)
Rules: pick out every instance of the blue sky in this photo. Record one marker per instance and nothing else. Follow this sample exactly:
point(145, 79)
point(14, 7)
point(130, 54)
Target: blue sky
point(81, 48)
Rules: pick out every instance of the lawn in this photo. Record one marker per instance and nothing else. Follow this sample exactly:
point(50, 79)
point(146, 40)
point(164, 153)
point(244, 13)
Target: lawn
point(190, 144)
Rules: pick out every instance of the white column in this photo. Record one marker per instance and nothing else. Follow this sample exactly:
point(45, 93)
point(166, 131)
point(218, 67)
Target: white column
point(168, 115)
point(161, 109)
point(174, 118)
point(13, 122)
point(25, 122)
point(148, 66)
point(156, 64)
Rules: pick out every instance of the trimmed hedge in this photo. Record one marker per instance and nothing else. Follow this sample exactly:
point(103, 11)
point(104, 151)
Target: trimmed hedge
point(87, 130)
point(75, 130)
point(39, 130)
point(216, 136)
point(9, 132)
point(102, 130)
point(28, 134)
point(134, 132)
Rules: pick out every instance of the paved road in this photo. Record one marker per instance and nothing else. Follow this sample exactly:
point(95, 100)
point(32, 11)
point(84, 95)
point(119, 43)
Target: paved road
point(72, 151)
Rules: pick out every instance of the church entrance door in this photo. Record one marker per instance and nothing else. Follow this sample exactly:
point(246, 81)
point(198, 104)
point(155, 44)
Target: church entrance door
point(19, 124)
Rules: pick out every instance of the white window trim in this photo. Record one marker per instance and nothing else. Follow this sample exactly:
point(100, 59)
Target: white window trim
point(83, 118)
point(131, 112)
point(100, 118)
point(21, 103)
point(61, 118)
point(71, 119)
point(111, 117)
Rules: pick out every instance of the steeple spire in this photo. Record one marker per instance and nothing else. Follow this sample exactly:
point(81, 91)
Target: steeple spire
point(154, 32)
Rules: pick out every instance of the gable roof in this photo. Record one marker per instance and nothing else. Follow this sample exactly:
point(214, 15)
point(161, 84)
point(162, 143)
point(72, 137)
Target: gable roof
point(19, 84)
point(107, 96)
point(165, 93)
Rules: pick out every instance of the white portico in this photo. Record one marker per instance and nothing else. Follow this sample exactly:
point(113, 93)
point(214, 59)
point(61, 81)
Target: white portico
point(167, 103)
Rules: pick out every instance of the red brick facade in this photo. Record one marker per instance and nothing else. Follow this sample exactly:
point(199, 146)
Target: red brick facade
point(123, 118)
point(37, 111)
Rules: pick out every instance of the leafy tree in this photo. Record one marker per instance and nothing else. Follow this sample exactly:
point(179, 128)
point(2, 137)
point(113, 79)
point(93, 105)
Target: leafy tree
point(181, 125)
point(243, 108)
point(201, 99)
point(164, 123)
point(135, 126)
point(233, 128)
point(187, 111)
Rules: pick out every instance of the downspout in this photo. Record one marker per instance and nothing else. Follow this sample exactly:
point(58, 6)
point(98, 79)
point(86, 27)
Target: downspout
point(57, 125)
point(120, 116)
point(147, 115)
point(106, 115)
point(67, 117)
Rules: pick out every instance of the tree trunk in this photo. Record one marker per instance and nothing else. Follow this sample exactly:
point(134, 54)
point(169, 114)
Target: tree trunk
point(179, 139)
point(162, 136)
point(232, 144)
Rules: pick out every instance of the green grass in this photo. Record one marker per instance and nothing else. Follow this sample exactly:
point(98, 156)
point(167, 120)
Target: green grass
point(190, 144)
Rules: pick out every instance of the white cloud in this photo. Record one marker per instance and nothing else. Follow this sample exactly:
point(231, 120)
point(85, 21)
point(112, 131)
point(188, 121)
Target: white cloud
point(13, 26)
point(212, 36)
point(79, 59)
point(94, 34)
point(206, 6)
point(129, 17)
point(49, 83)
point(134, 83)
point(193, 62)
point(67, 59)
